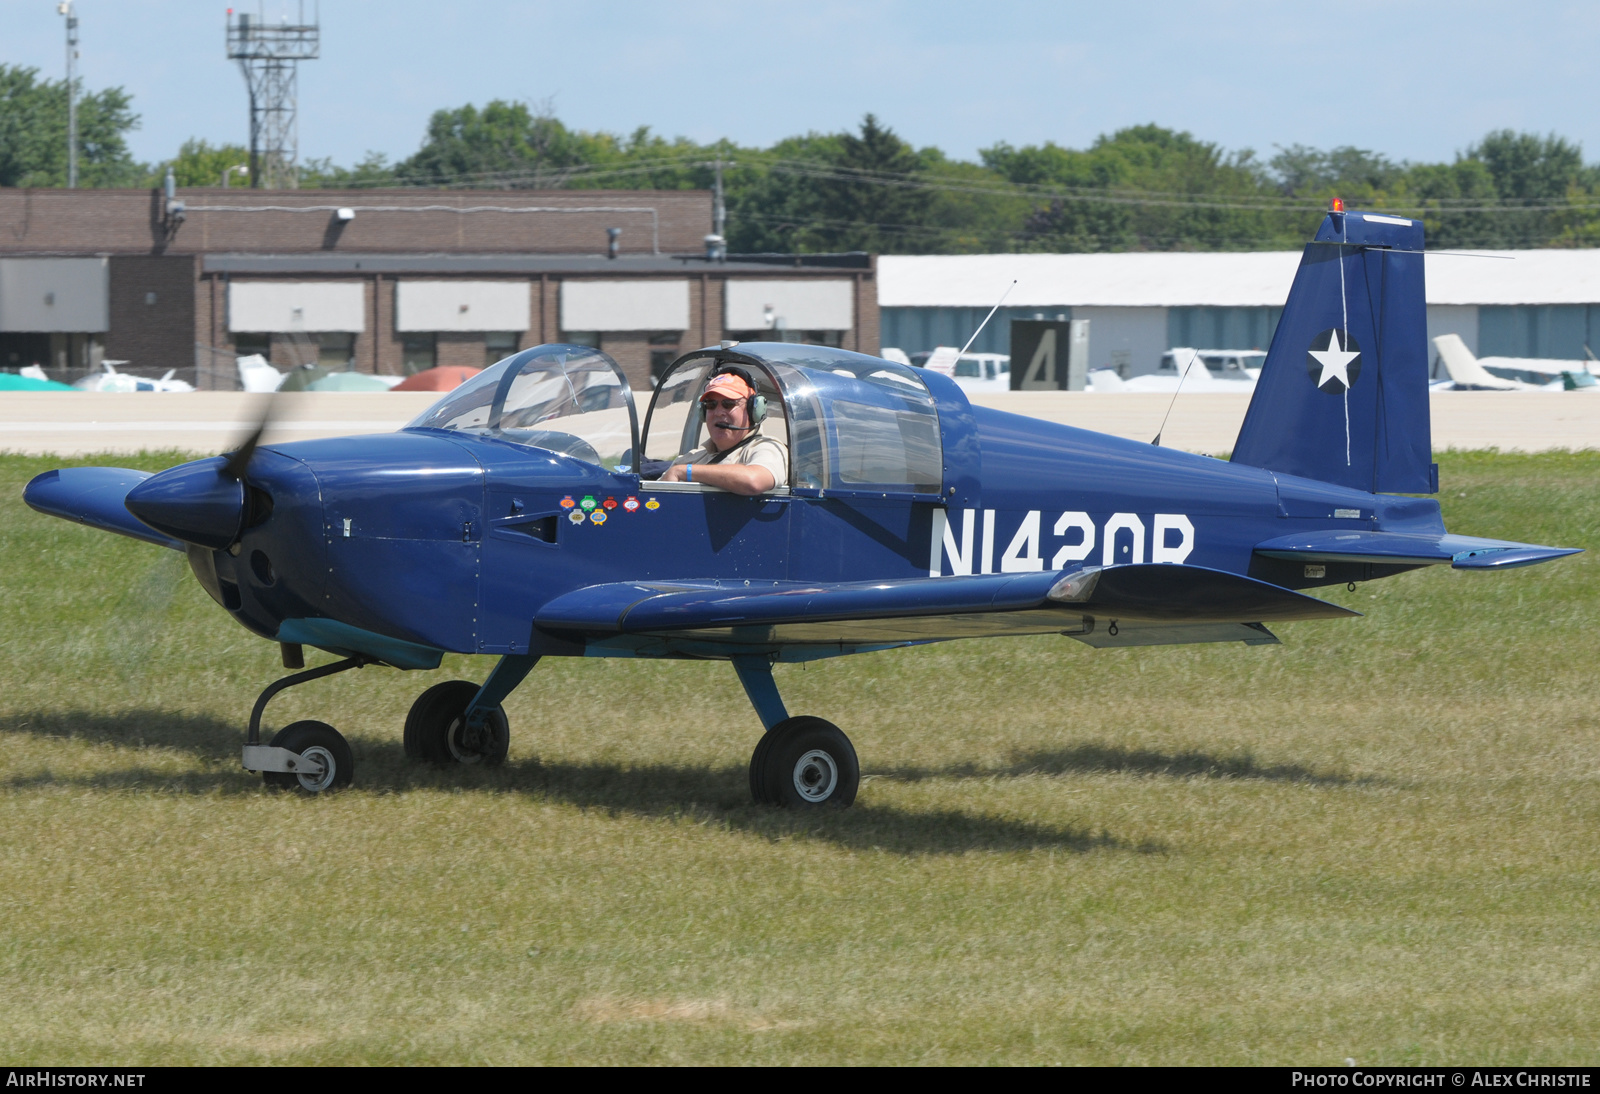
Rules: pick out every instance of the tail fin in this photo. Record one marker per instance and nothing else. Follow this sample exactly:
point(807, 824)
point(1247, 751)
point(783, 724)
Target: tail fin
point(1343, 396)
point(1464, 368)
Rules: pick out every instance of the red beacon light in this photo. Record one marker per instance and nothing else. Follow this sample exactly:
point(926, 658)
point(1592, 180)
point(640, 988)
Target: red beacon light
point(1336, 205)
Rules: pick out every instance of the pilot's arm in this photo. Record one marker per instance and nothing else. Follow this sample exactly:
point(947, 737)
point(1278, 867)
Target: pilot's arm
point(737, 478)
point(754, 469)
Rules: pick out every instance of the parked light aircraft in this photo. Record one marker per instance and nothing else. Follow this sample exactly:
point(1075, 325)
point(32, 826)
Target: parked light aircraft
point(1191, 370)
point(109, 379)
point(1472, 373)
point(512, 519)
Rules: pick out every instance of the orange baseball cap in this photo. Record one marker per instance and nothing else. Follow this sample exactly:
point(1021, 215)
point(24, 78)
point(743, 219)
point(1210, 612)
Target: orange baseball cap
point(728, 385)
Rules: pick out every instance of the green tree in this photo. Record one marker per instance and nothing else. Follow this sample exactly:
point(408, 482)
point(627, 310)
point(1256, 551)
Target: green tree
point(506, 145)
point(33, 133)
point(872, 199)
point(372, 170)
point(1348, 172)
point(1146, 188)
point(198, 163)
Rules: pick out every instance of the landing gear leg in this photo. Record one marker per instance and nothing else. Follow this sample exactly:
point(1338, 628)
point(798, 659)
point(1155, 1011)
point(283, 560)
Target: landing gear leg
point(801, 763)
point(311, 755)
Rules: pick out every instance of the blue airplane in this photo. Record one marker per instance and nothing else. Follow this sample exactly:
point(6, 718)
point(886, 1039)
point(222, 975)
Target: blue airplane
point(527, 515)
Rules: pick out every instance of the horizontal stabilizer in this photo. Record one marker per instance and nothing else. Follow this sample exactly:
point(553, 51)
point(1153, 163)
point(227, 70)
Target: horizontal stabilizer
point(94, 496)
point(1409, 549)
point(929, 609)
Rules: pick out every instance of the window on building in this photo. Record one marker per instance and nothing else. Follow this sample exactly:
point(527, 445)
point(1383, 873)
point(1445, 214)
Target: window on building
point(1221, 328)
point(590, 338)
point(660, 361)
point(336, 351)
point(246, 344)
point(663, 351)
point(418, 352)
point(498, 345)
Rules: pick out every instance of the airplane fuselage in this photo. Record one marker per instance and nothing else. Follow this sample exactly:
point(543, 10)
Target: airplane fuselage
point(454, 542)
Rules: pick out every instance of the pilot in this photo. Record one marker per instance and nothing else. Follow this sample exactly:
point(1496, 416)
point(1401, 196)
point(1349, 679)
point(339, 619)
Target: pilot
point(736, 456)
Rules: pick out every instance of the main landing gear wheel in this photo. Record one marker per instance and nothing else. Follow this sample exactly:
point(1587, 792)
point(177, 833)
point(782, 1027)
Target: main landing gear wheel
point(318, 741)
point(437, 730)
point(804, 763)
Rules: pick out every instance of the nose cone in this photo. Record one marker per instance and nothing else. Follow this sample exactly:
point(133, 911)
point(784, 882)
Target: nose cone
point(194, 502)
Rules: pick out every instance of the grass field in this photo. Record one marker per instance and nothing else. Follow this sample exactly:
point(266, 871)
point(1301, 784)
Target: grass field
point(1377, 841)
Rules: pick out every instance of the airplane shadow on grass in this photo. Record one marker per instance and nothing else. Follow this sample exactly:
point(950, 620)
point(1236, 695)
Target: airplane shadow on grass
point(1087, 759)
point(718, 794)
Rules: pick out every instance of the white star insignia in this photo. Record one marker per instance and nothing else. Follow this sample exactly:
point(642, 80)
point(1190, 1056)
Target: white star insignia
point(1335, 362)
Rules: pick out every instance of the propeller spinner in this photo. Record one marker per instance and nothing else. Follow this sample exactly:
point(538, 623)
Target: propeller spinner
point(205, 502)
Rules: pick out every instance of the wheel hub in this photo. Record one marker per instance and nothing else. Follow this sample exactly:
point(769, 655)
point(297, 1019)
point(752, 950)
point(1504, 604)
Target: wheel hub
point(318, 783)
point(815, 776)
point(468, 742)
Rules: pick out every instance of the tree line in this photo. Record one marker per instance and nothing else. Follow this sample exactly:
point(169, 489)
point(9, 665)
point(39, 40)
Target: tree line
point(1141, 188)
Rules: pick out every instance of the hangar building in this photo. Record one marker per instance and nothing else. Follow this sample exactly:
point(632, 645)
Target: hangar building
point(395, 281)
point(1542, 303)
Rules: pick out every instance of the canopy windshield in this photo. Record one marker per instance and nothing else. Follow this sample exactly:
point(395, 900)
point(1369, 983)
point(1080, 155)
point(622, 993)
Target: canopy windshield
point(568, 399)
point(855, 423)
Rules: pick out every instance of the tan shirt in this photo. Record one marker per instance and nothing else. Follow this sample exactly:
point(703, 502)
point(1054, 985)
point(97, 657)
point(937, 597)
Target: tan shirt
point(760, 452)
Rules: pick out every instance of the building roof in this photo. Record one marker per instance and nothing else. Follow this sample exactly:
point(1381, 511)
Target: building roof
point(527, 264)
point(1226, 279)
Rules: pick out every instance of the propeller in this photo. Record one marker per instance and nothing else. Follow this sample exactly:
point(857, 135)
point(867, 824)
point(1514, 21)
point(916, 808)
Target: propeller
point(206, 503)
point(239, 459)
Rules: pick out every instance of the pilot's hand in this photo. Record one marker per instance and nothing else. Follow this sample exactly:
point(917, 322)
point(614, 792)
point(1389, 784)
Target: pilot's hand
point(676, 473)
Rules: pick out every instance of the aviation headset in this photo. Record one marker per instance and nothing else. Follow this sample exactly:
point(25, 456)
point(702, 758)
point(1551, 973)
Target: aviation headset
point(756, 404)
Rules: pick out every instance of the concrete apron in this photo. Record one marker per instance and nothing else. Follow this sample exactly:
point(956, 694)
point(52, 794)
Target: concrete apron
point(82, 423)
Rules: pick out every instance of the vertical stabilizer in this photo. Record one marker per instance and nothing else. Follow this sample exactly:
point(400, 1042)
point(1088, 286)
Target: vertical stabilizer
point(1343, 396)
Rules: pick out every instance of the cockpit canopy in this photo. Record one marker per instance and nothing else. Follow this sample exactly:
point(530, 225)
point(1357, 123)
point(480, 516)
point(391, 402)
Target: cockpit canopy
point(568, 399)
point(852, 423)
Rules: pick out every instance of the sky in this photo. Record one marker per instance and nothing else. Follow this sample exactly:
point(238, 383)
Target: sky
point(1419, 80)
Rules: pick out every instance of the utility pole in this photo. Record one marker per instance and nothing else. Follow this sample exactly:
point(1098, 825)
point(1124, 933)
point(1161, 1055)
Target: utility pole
point(268, 55)
point(717, 241)
point(65, 8)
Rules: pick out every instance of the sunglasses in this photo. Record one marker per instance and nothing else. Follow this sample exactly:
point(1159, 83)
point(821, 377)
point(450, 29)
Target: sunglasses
point(725, 404)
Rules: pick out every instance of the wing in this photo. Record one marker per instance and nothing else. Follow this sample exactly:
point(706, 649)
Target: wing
point(94, 496)
point(1410, 549)
point(1115, 605)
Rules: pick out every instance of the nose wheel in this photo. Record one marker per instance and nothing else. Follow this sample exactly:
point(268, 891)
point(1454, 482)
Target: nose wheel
point(309, 756)
point(326, 762)
point(804, 763)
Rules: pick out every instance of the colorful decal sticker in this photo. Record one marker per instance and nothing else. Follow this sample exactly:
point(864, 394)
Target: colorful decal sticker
point(631, 505)
point(610, 503)
point(587, 503)
point(652, 504)
point(567, 502)
point(598, 516)
point(575, 517)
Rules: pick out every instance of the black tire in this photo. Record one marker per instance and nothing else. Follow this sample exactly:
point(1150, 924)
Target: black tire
point(321, 740)
point(808, 763)
point(758, 770)
point(436, 732)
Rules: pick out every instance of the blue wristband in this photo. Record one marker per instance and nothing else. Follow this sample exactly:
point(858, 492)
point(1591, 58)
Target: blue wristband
point(688, 472)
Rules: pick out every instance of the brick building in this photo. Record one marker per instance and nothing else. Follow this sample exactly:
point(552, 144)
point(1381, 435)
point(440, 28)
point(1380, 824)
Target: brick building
point(394, 281)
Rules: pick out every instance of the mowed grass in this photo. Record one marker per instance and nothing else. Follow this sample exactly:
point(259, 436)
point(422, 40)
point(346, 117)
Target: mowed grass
point(1377, 841)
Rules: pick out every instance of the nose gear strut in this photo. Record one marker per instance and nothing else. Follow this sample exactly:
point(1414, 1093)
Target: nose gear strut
point(310, 765)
